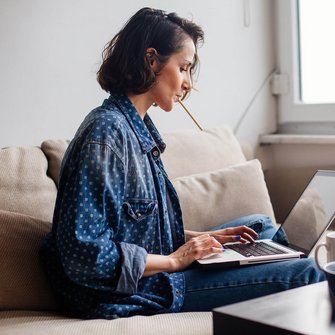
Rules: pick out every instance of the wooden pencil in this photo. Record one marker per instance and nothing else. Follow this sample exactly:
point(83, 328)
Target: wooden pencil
point(191, 116)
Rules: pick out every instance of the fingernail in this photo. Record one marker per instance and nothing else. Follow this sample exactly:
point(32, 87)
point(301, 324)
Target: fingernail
point(238, 237)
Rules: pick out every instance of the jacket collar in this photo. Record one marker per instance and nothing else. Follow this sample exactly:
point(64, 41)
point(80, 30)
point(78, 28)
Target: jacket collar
point(145, 130)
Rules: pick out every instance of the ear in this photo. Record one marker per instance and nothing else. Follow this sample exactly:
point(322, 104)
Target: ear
point(151, 55)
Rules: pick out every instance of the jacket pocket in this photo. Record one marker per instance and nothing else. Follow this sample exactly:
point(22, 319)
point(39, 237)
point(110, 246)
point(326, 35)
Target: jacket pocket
point(139, 209)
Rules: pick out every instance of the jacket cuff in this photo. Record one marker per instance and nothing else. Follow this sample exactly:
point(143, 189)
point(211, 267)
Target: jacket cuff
point(133, 260)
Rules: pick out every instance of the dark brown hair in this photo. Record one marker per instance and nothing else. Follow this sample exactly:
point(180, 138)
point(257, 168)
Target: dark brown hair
point(125, 65)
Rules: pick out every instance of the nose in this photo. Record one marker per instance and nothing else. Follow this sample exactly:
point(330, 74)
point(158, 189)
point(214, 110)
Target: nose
point(187, 82)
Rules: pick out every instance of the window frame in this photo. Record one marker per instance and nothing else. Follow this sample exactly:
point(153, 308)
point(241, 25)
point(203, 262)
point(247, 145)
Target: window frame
point(290, 109)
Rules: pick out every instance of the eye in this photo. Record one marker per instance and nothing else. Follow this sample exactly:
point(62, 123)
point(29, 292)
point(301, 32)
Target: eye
point(182, 69)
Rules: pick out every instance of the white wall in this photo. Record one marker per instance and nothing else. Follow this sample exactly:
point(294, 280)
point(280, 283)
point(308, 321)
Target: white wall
point(50, 51)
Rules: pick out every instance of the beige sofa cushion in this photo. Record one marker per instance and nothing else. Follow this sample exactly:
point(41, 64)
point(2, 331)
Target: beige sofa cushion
point(212, 198)
point(22, 281)
point(24, 185)
point(193, 151)
point(54, 150)
point(187, 152)
point(33, 323)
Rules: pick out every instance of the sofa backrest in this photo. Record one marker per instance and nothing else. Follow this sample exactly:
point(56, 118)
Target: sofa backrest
point(210, 172)
point(187, 152)
point(29, 176)
point(25, 186)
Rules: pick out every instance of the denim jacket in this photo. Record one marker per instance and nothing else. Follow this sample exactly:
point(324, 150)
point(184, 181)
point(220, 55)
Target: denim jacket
point(115, 204)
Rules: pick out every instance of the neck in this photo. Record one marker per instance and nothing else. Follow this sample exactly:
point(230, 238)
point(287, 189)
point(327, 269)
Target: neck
point(142, 103)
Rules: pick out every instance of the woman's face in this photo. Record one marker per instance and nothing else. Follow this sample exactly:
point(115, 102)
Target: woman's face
point(174, 80)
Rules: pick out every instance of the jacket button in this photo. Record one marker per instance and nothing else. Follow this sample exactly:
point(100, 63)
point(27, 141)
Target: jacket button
point(155, 153)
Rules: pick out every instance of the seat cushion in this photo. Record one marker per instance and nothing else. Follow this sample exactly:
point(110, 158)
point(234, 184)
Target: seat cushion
point(39, 323)
point(22, 281)
point(212, 198)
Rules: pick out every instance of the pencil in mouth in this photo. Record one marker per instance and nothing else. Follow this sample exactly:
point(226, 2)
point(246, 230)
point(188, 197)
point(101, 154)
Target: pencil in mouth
point(191, 116)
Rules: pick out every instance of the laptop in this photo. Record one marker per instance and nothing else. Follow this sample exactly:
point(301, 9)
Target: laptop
point(296, 237)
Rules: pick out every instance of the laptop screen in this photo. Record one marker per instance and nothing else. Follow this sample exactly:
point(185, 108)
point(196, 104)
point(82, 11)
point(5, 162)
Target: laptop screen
point(311, 215)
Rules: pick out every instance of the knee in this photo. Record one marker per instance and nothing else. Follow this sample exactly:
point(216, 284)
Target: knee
point(310, 271)
point(261, 217)
point(304, 271)
point(259, 222)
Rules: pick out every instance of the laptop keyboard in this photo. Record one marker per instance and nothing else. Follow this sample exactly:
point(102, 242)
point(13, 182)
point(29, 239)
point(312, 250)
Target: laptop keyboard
point(254, 249)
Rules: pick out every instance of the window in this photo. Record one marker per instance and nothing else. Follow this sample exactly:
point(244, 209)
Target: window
point(316, 50)
point(306, 67)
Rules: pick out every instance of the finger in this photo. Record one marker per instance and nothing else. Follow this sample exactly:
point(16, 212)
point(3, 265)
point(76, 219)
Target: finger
point(240, 230)
point(227, 238)
point(233, 238)
point(244, 238)
point(247, 237)
point(239, 238)
point(236, 238)
point(230, 231)
point(249, 231)
point(246, 233)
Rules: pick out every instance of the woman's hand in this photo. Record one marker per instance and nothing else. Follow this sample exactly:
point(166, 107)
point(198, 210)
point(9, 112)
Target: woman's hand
point(236, 234)
point(195, 248)
point(198, 245)
point(241, 234)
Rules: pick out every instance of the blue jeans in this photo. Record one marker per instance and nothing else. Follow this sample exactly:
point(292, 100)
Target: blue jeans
point(207, 289)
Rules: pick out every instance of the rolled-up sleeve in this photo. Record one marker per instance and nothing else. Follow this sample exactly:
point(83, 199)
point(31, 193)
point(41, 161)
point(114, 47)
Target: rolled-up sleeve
point(132, 267)
point(89, 215)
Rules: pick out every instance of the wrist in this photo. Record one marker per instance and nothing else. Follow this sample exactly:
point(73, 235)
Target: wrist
point(169, 264)
point(158, 263)
point(173, 263)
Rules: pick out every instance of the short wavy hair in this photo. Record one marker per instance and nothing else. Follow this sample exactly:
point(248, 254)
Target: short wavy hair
point(126, 67)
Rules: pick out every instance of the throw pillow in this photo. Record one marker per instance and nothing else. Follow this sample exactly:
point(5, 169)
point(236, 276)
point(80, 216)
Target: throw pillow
point(192, 151)
point(23, 284)
point(54, 150)
point(213, 198)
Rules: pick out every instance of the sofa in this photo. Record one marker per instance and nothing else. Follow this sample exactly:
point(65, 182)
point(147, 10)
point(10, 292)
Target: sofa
point(216, 177)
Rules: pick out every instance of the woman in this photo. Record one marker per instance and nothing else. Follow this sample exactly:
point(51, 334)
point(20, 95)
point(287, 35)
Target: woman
point(117, 246)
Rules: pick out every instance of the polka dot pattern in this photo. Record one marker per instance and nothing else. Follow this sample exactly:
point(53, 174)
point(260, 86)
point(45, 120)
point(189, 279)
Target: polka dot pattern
point(115, 204)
